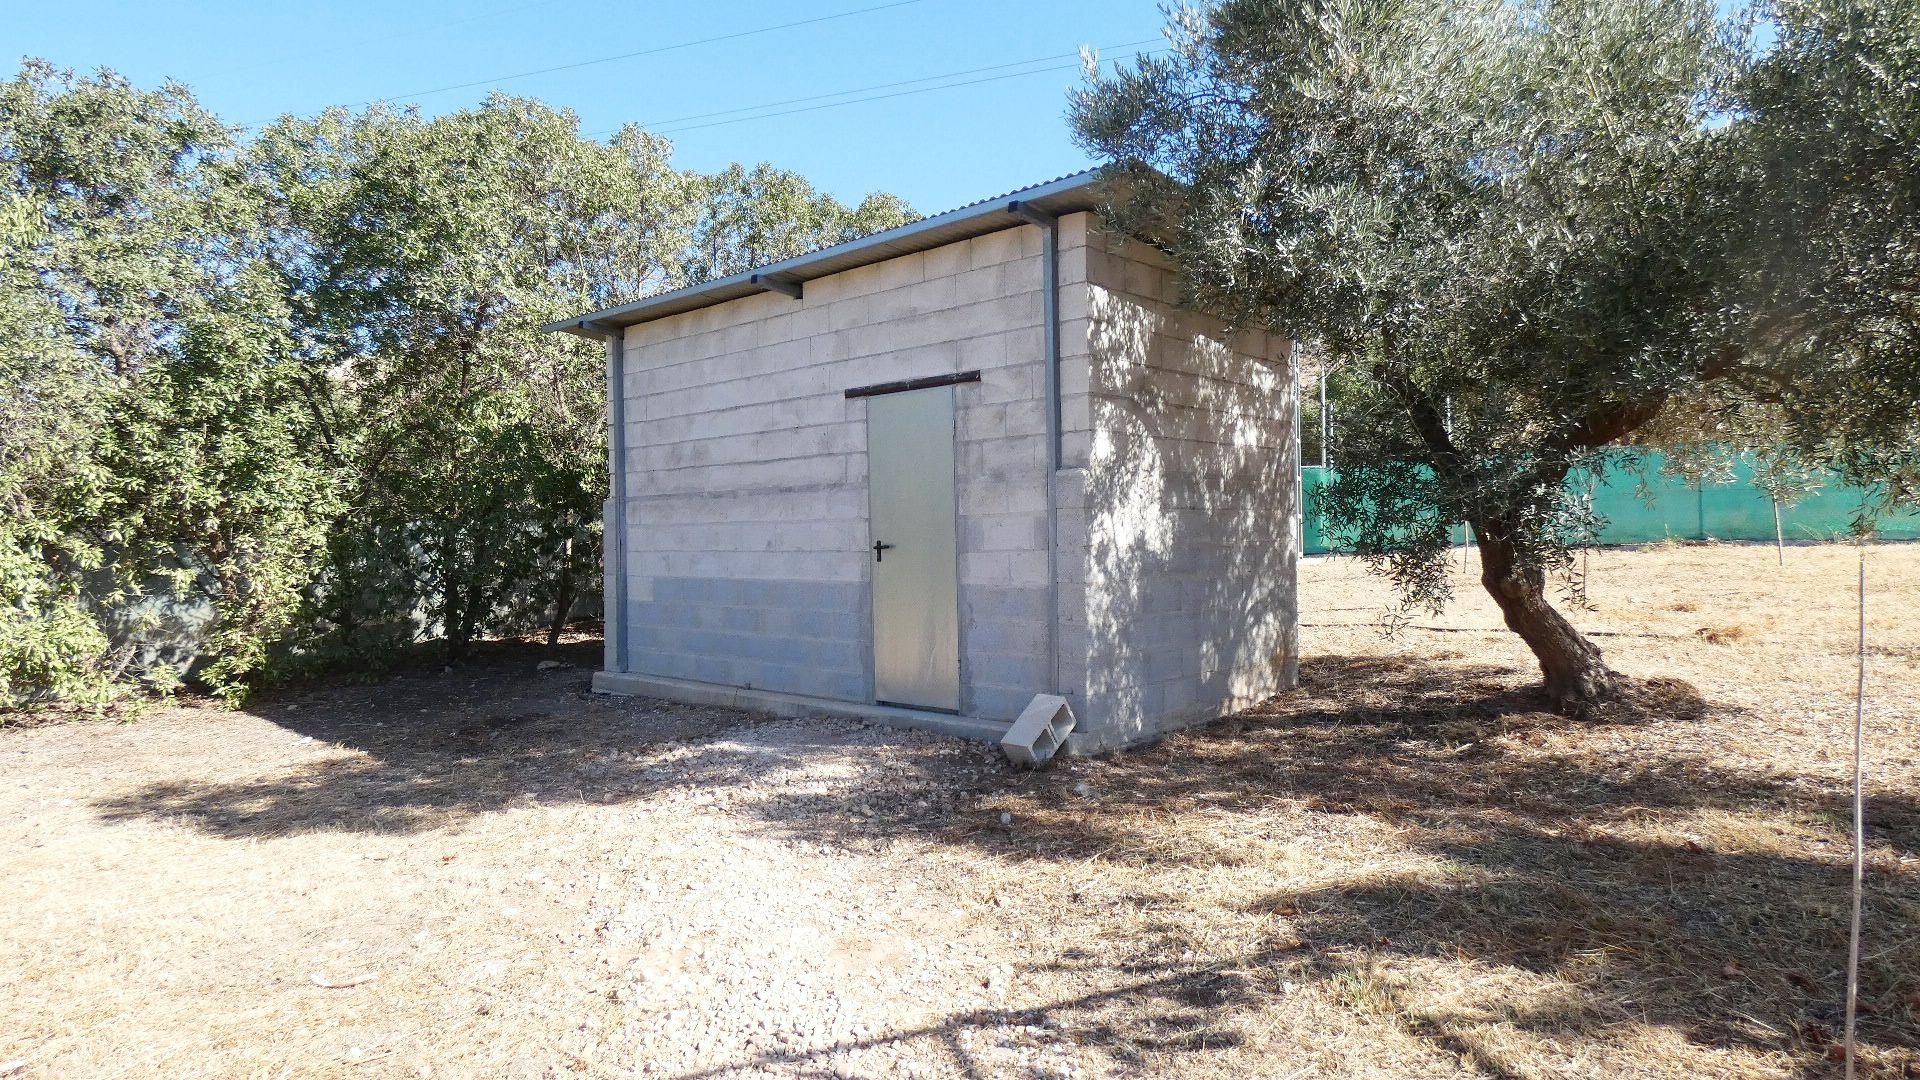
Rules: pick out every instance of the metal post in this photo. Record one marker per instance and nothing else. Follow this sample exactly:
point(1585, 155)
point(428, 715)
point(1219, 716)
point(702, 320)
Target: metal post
point(1593, 489)
point(1299, 457)
point(1859, 824)
point(1779, 535)
point(1049, 226)
point(613, 542)
point(1325, 427)
point(1446, 422)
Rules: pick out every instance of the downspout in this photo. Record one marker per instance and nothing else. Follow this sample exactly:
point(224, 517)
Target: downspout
point(613, 543)
point(1300, 464)
point(1299, 504)
point(1050, 381)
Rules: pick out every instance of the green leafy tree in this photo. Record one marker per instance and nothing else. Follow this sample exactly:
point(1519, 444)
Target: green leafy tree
point(50, 643)
point(1520, 231)
point(752, 217)
point(422, 256)
point(300, 385)
point(148, 453)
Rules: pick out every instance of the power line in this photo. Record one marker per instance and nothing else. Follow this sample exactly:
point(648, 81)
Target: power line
point(863, 100)
point(652, 125)
point(852, 101)
point(659, 123)
point(647, 52)
point(495, 13)
point(438, 27)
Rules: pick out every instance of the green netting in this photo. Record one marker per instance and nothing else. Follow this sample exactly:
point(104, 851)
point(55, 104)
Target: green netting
point(1313, 539)
point(1641, 505)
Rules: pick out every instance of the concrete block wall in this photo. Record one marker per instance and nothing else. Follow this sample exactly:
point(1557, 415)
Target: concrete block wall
point(1180, 505)
point(747, 543)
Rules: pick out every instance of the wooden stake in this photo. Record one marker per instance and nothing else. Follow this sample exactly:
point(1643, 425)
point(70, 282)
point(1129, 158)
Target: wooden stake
point(1859, 824)
point(1779, 537)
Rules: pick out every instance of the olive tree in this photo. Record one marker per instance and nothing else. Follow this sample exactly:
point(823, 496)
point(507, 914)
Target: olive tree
point(1518, 231)
point(1827, 293)
point(1823, 292)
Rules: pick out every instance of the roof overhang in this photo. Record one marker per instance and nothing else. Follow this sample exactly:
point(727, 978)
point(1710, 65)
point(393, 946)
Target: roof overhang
point(1038, 203)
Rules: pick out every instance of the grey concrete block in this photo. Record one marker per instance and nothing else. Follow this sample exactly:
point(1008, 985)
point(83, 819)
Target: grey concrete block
point(1010, 637)
point(785, 678)
point(983, 604)
point(1039, 731)
point(794, 705)
point(840, 655)
point(1166, 664)
point(999, 702)
point(713, 669)
point(664, 662)
point(710, 643)
point(1180, 696)
point(843, 685)
point(1024, 670)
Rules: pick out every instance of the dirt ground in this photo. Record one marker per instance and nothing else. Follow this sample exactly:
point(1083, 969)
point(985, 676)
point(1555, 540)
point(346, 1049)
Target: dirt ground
point(1404, 869)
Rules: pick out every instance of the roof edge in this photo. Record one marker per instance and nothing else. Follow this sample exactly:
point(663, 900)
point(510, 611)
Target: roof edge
point(794, 271)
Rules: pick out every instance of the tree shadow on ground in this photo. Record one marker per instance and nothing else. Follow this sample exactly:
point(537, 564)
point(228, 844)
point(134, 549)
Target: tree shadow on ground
point(1558, 882)
point(433, 747)
point(1490, 877)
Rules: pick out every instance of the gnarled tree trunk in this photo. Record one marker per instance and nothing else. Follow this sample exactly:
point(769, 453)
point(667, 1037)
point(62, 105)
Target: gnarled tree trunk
point(1577, 677)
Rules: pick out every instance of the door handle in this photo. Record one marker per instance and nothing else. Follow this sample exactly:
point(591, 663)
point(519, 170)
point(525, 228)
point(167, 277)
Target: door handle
point(879, 547)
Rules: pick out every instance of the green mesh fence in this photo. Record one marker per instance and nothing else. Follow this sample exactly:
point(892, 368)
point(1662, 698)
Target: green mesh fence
point(1641, 506)
point(1313, 538)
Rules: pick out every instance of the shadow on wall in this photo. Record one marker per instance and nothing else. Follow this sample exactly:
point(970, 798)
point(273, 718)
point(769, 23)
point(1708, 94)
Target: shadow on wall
point(1192, 503)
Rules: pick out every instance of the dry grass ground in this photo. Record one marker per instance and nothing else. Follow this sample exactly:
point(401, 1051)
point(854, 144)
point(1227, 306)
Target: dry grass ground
point(1403, 869)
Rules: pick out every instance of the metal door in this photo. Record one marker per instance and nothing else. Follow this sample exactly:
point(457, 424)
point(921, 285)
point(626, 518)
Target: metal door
point(916, 573)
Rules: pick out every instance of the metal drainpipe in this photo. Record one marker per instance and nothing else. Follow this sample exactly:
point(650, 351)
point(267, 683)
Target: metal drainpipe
point(1323, 418)
point(613, 549)
point(1299, 496)
point(1299, 471)
point(1050, 380)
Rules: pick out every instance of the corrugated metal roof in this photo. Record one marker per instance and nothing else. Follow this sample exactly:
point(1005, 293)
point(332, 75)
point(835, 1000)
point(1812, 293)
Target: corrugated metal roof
point(1064, 195)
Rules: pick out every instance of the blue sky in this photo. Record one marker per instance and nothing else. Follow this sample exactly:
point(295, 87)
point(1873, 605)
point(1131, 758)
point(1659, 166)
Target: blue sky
point(251, 61)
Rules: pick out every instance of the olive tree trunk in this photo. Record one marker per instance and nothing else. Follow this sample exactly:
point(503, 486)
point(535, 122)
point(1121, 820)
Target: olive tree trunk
point(1577, 677)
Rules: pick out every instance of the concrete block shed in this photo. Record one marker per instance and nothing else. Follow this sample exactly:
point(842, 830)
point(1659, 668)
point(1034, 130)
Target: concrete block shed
point(927, 475)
